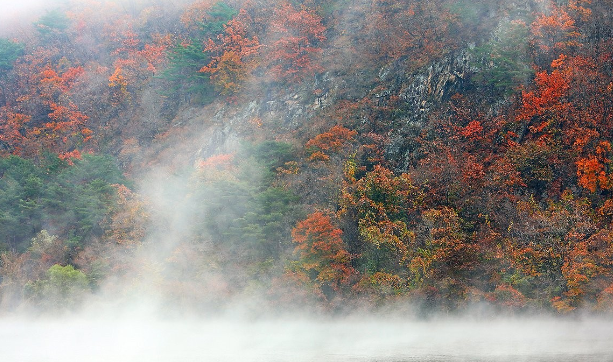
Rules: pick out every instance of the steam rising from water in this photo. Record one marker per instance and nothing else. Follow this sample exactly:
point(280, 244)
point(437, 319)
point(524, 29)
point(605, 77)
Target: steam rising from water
point(305, 340)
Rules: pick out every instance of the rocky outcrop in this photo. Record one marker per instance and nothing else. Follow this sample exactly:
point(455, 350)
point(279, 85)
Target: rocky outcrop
point(219, 126)
point(420, 92)
point(427, 88)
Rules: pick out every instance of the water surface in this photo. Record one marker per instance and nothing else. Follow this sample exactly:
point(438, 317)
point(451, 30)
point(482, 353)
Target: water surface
point(304, 340)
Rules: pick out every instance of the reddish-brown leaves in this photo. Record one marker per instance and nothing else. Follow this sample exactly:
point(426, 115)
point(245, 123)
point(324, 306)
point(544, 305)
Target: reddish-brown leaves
point(296, 42)
point(233, 55)
point(320, 249)
point(332, 141)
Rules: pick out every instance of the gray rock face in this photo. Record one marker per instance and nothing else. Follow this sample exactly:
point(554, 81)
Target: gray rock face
point(429, 87)
point(421, 92)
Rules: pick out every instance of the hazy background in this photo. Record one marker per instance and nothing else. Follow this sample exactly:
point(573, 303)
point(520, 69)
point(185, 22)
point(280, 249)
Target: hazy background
point(13, 13)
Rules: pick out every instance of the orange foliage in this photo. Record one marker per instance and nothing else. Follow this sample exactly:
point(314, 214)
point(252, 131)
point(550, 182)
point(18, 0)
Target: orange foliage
point(135, 60)
point(65, 117)
point(506, 296)
point(560, 243)
point(321, 250)
point(551, 88)
point(128, 220)
point(297, 36)
point(555, 33)
point(415, 30)
point(221, 161)
point(568, 109)
point(217, 168)
point(155, 53)
point(12, 127)
point(592, 171)
point(233, 56)
point(50, 120)
point(117, 80)
point(70, 156)
point(332, 141)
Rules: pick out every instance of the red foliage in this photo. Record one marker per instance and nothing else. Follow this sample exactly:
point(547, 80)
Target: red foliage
point(233, 55)
point(329, 142)
point(69, 156)
point(473, 131)
point(414, 30)
point(321, 250)
point(296, 41)
point(221, 161)
point(12, 129)
point(554, 33)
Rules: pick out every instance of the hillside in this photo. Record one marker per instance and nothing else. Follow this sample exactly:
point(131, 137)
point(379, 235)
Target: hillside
point(322, 155)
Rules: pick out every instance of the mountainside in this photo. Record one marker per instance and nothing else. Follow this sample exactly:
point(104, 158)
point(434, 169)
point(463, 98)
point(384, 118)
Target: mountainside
point(318, 155)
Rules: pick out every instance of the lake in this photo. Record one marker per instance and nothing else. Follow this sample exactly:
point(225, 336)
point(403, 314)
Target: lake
point(303, 339)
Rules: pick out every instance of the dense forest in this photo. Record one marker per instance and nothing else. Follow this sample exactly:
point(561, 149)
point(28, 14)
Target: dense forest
point(327, 155)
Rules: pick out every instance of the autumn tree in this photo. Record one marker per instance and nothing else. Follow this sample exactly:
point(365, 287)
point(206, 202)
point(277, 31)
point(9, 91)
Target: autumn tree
point(12, 129)
point(57, 124)
point(385, 208)
point(135, 59)
point(444, 257)
point(412, 30)
point(128, 218)
point(295, 42)
point(321, 146)
point(322, 255)
point(233, 56)
point(555, 113)
point(557, 255)
point(553, 33)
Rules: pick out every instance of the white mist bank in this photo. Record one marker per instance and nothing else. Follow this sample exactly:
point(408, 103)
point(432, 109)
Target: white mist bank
point(304, 340)
point(14, 13)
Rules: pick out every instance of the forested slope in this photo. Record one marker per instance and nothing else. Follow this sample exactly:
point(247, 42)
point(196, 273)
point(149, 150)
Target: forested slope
point(324, 155)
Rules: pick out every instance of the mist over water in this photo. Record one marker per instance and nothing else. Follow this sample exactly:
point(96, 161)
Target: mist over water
point(303, 339)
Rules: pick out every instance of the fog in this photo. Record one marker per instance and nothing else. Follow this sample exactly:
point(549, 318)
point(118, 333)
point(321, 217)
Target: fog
point(350, 339)
point(141, 327)
point(14, 12)
point(18, 8)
